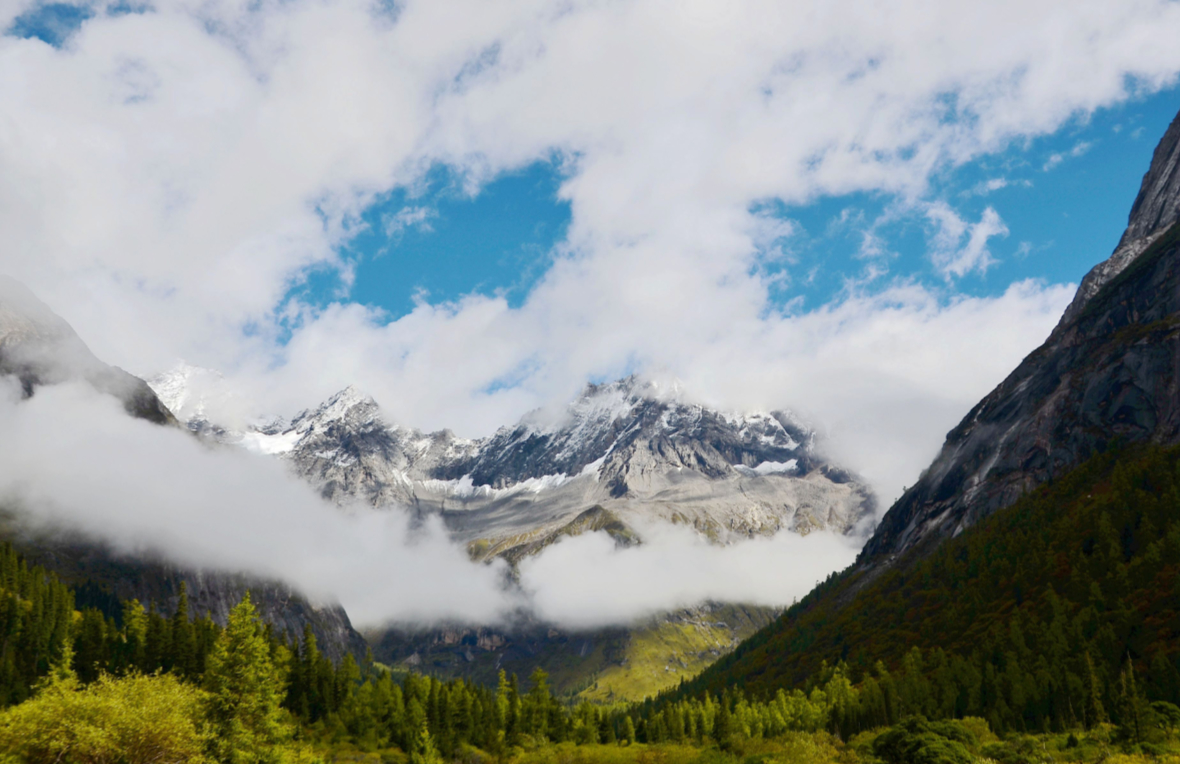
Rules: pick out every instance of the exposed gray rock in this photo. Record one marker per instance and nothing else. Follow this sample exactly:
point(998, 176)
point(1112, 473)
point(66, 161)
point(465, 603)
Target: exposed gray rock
point(631, 447)
point(1109, 372)
point(1155, 209)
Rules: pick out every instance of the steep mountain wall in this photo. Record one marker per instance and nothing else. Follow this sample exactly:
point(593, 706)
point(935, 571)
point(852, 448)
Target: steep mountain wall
point(1107, 372)
point(1040, 502)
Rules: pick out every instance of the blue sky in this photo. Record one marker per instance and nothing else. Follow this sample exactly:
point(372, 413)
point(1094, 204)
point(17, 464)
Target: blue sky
point(437, 242)
point(1064, 199)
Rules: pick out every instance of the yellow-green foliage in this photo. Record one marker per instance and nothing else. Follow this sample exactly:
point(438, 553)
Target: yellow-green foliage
point(130, 720)
point(658, 656)
point(799, 748)
point(244, 691)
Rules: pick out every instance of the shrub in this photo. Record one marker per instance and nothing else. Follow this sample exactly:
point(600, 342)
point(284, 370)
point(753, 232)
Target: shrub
point(132, 720)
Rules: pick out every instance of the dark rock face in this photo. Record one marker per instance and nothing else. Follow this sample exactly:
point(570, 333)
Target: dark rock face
point(1107, 373)
point(1155, 209)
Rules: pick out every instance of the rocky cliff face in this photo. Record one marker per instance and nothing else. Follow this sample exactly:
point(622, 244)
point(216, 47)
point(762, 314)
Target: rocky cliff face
point(1107, 373)
point(39, 348)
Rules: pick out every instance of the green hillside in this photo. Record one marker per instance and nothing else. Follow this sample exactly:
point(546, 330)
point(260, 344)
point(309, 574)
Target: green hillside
point(1027, 619)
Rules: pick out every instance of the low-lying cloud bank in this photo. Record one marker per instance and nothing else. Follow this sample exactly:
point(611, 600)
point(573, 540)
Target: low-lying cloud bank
point(70, 458)
point(587, 580)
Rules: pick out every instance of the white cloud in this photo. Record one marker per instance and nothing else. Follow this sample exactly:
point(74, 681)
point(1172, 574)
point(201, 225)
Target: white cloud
point(1080, 148)
point(958, 247)
point(169, 176)
point(985, 187)
point(588, 581)
point(72, 458)
point(408, 217)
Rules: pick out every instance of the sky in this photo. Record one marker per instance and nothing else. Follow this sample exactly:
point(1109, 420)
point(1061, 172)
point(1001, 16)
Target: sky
point(864, 212)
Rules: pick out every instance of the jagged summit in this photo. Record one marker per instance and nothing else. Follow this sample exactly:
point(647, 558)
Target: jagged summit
point(635, 446)
point(1156, 209)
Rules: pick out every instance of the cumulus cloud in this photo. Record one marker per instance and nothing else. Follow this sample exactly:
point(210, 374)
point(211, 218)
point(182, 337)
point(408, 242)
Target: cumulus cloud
point(72, 459)
point(168, 176)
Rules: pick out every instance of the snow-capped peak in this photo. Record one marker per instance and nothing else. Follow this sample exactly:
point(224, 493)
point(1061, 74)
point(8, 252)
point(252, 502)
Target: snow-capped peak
point(348, 404)
point(188, 390)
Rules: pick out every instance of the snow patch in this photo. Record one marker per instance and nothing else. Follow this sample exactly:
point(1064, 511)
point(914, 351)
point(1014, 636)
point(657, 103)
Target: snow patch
point(271, 445)
point(769, 468)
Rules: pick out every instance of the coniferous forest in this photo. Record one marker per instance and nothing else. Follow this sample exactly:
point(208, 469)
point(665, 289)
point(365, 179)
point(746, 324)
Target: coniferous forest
point(1048, 632)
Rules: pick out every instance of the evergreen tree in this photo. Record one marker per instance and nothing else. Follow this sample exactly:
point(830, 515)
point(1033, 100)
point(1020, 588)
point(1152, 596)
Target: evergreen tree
point(244, 686)
point(133, 647)
point(627, 736)
point(182, 648)
point(1095, 712)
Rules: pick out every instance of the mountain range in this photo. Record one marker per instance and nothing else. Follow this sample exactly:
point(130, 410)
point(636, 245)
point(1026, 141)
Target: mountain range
point(632, 448)
point(622, 458)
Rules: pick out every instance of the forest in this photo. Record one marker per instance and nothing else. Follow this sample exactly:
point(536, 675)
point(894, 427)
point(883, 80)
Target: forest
point(1047, 632)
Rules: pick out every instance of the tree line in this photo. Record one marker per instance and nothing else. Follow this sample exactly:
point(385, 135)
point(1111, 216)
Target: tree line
point(1059, 613)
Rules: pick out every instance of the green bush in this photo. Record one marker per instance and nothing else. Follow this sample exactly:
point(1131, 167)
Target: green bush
point(131, 720)
point(917, 741)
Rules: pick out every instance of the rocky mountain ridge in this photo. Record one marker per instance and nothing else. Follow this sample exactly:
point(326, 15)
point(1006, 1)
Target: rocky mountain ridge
point(1109, 372)
point(632, 448)
point(38, 347)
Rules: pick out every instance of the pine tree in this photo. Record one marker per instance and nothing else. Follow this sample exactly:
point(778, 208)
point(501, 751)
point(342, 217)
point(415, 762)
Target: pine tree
point(537, 705)
point(1095, 712)
point(248, 725)
point(628, 733)
point(423, 751)
point(133, 650)
point(182, 649)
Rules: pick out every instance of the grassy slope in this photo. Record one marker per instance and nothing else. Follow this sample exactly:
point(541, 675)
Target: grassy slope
point(659, 655)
